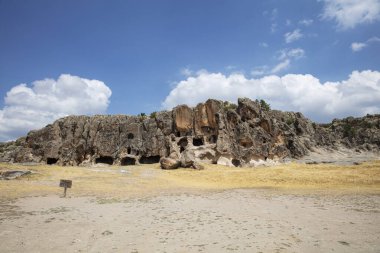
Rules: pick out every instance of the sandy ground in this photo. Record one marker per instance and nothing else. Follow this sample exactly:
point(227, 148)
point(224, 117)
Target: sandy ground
point(237, 220)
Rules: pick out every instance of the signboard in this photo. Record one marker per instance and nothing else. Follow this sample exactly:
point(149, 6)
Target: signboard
point(65, 183)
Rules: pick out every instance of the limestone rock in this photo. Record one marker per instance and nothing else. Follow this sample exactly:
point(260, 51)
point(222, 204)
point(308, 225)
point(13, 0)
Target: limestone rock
point(169, 164)
point(187, 158)
point(13, 174)
point(212, 132)
point(183, 119)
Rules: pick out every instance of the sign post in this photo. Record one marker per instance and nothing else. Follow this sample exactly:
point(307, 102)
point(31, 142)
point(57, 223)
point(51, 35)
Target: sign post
point(65, 184)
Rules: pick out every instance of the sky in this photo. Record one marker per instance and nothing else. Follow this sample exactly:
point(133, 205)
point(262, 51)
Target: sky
point(58, 58)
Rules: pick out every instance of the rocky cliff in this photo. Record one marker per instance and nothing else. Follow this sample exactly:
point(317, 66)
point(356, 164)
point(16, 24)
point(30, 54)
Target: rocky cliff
point(211, 132)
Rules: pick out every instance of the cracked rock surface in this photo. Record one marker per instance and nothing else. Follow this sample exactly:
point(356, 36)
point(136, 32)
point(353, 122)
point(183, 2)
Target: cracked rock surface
point(212, 132)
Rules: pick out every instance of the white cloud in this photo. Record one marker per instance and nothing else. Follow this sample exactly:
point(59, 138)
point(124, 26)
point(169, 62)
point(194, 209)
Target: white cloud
point(374, 39)
point(274, 14)
point(291, 53)
point(293, 36)
point(273, 28)
point(306, 22)
point(285, 58)
point(263, 44)
point(33, 107)
point(186, 72)
point(259, 71)
point(281, 66)
point(358, 46)
point(231, 67)
point(350, 13)
point(356, 96)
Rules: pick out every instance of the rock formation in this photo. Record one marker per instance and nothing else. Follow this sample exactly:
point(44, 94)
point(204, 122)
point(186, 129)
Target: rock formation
point(212, 132)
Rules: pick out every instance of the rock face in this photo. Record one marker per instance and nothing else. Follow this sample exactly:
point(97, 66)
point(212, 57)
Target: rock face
point(212, 132)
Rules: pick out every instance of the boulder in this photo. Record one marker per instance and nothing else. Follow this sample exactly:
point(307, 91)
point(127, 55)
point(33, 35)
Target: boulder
point(187, 158)
point(13, 174)
point(169, 163)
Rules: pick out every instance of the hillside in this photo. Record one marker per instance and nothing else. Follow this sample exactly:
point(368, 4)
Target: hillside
point(215, 132)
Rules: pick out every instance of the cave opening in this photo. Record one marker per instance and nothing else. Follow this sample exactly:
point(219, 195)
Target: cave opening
point(236, 162)
point(127, 161)
point(182, 143)
point(130, 136)
point(150, 159)
point(51, 160)
point(198, 141)
point(104, 159)
point(129, 150)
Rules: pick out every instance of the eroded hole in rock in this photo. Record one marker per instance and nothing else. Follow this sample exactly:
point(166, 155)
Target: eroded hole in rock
point(198, 141)
point(149, 159)
point(246, 144)
point(129, 150)
point(236, 162)
point(51, 160)
point(182, 143)
point(128, 161)
point(104, 159)
point(130, 136)
point(212, 139)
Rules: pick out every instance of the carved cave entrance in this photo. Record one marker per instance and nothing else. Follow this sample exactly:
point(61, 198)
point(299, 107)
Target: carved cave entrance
point(198, 141)
point(104, 159)
point(236, 162)
point(150, 159)
point(51, 160)
point(128, 161)
point(182, 143)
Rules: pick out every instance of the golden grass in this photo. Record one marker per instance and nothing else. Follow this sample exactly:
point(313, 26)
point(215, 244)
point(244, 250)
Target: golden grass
point(150, 179)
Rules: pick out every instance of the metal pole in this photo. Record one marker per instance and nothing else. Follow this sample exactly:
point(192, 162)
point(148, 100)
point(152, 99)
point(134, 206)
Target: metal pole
point(64, 193)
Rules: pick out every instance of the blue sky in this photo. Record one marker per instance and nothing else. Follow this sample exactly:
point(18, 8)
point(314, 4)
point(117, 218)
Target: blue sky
point(152, 55)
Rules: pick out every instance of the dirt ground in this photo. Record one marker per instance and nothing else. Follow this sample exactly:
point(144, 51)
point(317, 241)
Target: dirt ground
point(286, 208)
point(247, 220)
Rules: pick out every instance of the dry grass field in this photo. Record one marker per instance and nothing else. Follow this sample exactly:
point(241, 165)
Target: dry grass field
point(129, 181)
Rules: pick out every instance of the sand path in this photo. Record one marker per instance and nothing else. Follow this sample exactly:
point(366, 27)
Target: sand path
point(225, 221)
